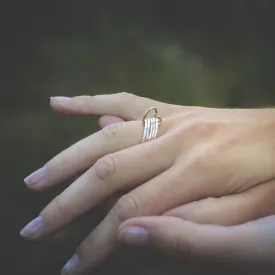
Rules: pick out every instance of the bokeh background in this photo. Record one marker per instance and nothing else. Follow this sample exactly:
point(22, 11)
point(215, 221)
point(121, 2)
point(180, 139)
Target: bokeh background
point(193, 52)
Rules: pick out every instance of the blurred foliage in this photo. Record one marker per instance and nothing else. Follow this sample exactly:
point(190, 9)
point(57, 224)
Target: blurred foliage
point(210, 53)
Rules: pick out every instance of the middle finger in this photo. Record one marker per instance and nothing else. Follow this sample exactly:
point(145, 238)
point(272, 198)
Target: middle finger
point(80, 156)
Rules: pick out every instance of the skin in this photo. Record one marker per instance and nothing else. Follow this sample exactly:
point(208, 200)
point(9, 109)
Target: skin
point(208, 166)
point(249, 243)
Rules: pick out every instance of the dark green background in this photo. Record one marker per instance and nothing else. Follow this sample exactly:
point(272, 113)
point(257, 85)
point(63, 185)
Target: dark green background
point(210, 53)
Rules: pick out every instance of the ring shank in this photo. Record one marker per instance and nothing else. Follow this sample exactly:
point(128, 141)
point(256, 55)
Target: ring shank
point(151, 125)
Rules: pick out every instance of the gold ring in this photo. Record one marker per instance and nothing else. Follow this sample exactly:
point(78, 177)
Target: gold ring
point(151, 125)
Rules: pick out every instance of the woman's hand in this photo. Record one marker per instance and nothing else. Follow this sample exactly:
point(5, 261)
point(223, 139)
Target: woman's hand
point(200, 153)
point(252, 242)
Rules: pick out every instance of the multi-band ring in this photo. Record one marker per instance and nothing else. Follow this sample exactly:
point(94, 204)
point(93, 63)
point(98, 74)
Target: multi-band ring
point(151, 125)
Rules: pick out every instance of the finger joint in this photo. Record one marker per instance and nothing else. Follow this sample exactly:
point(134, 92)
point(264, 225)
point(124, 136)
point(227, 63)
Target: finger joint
point(112, 131)
point(105, 167)
point(128, 206)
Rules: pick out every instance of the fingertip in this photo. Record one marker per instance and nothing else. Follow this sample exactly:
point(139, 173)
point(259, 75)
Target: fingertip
point(60, 99)
point(134, 235)
point(61, 104)
point(34, 230)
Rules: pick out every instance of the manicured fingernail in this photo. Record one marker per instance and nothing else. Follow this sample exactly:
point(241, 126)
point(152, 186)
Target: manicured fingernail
point(60, 99)
point(72, 266)
point(36, 176)
point(134, 236)
point(34, 229)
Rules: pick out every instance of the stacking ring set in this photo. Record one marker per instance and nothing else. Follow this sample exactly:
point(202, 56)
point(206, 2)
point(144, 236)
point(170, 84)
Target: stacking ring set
point(151, 125)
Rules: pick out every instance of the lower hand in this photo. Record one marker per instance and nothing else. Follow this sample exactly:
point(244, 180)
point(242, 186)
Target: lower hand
point(251, 242)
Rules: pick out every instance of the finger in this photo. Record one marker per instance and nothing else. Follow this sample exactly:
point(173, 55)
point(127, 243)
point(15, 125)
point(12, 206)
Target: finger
point(100, 243)
point(253, 241)
point(109, 203)
point(116, 172)
point(107, 120)
point(144, 200)
point(253, 204)
point(86, 152)
point(71, 232)
point(124, 105)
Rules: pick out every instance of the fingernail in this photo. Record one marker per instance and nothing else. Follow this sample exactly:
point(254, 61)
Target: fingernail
point(34, 229)
point(60, 99)
point(36, 176)
point(134, 236)
point(72, 266)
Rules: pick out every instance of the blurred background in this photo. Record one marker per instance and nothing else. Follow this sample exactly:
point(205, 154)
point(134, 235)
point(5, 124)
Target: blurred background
point(209, 53)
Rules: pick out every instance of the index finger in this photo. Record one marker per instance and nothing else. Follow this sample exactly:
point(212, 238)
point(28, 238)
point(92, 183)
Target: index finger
point(124, 105)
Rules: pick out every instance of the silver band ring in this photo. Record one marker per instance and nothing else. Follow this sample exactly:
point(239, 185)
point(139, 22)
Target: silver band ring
point(151, 125)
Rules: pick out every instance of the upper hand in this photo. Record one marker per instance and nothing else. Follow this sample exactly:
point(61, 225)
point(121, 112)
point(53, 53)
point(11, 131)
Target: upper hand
point(200, 153)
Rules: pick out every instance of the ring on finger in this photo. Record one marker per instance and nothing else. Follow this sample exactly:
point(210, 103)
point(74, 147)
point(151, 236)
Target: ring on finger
point(151, 125)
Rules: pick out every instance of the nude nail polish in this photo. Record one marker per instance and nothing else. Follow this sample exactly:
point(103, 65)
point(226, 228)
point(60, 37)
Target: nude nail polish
point(72, 266)
point(134, 235)
point(60, 99)
point(33, 230)
point(36, 176)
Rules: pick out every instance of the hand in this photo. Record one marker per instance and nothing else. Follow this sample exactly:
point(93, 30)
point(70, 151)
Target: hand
point(252, 242)
point(200, 153)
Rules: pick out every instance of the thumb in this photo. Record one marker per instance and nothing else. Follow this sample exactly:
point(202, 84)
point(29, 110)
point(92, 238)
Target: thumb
point(253, 241)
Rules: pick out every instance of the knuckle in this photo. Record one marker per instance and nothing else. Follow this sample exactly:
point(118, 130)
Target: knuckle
point(132, 103)
point(126, 96)
point(105, 167)
point(112, 130)
point(61, 207)
point(198, 131)
point(197, 159)
point(199, 126)
point(128, 206)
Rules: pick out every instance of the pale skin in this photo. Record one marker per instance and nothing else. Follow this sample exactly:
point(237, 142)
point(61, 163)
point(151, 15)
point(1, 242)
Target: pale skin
point(207, 166)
